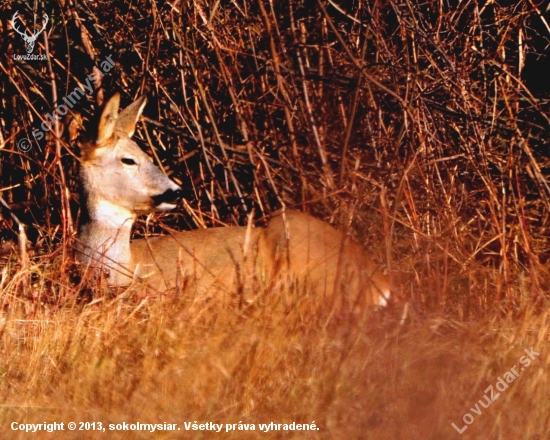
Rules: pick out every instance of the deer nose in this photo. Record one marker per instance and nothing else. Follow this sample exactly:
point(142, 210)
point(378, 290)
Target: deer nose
point(171, 196)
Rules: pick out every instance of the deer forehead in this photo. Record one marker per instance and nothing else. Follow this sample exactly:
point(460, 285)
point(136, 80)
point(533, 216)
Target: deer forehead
point(118, 147)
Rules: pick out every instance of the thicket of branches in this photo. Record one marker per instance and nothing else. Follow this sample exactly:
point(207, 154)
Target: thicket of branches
point(417, 125)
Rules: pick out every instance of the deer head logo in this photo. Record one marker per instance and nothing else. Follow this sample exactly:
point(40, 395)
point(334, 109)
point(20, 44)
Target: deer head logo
point(28, 39)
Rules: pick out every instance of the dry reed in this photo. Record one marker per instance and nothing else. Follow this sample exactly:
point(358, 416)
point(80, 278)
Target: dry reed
point(418, 127)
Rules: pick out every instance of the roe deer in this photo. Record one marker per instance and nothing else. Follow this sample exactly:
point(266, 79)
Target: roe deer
point(120, 182)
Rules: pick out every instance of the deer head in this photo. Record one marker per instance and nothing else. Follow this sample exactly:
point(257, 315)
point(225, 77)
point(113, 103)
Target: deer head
point(28, 39)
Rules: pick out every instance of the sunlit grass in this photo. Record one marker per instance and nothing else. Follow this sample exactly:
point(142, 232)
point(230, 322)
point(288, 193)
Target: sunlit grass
point(164, 359)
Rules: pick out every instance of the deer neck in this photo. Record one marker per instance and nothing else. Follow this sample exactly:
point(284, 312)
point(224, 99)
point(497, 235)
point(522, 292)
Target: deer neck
point(104, 238)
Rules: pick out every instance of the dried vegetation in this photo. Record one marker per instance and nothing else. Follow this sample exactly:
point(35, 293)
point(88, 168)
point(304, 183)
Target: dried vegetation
point(419, 127)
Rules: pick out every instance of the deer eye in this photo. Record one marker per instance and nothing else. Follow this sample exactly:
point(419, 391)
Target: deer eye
point(128, 161)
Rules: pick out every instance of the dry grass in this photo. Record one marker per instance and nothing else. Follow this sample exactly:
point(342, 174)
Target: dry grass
point(418, 127)
point(165, 359)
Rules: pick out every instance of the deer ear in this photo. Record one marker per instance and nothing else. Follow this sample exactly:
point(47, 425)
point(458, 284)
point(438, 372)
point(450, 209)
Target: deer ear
point(108, 120)
point(127, 120)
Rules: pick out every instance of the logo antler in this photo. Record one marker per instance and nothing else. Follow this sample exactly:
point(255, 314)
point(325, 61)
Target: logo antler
point(29, 39)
